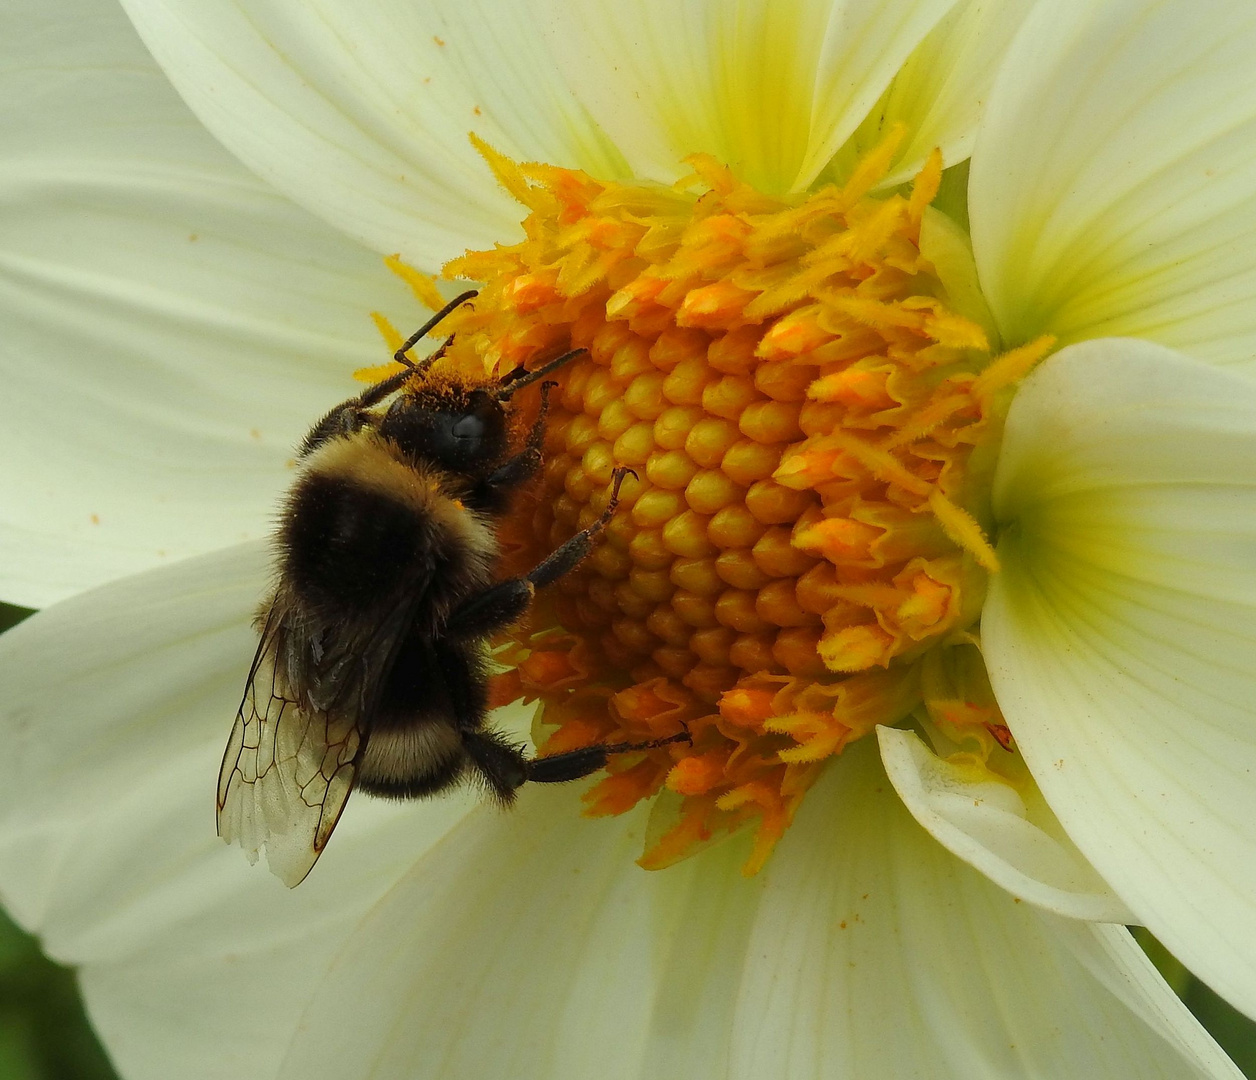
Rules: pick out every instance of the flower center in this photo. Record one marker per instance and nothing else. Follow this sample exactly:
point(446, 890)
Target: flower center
point(801, 556)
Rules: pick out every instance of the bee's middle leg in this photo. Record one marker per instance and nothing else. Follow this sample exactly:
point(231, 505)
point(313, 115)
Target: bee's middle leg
point(501, 604)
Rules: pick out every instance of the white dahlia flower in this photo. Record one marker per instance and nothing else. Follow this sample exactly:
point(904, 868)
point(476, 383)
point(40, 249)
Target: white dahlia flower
point(930, 329)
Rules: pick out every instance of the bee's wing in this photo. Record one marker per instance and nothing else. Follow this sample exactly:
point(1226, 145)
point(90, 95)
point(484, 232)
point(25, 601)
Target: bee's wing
point(287, 772)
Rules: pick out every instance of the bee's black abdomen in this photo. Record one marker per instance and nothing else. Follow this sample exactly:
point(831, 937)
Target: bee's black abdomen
point(441, 776)
point(346, 545)
point(434, 698)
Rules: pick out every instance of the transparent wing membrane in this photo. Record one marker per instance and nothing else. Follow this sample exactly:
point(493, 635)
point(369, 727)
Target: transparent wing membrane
point(286, 775)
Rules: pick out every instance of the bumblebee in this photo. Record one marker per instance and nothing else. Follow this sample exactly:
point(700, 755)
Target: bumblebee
point(372, 666)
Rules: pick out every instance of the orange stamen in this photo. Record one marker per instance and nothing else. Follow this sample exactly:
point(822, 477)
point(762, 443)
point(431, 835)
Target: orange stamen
point(799, 404)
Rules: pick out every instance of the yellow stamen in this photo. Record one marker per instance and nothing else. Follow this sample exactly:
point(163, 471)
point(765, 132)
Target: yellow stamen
point(799, 404)
point(508, 173)
point(964, 530)
point(1011, 367)
point(873, 166)
point(392, 340)
point(422, 285)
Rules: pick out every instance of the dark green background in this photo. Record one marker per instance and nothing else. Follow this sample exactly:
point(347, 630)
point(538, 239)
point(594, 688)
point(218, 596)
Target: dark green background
point(44, 1034)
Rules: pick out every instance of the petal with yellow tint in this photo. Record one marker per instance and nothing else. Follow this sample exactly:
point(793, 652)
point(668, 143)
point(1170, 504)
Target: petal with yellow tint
point(941, 90)
point(1005, 830)
point(361, 113)
point(1121, 631)
point(1111, 191)
point(771, 88)
point(876, 953)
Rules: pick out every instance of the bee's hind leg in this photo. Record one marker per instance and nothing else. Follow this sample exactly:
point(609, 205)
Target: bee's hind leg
point(572, 765)
point(504, 768)
point(501, 765)
point(501, 604)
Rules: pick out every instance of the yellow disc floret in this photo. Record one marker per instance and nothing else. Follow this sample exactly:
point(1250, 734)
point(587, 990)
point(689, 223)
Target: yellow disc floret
point(803, 411)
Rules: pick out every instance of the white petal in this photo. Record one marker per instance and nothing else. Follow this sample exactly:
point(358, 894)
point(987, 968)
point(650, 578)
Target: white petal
point(1112, 185)
point(117, 704)
point(1006, 832)
point(941, 90)
point(362, 113)
point(525, 943)
point(363, 116)
point(878, 954)
point(770, 87)
point(531, 946)
point(217, 959)
point(170, 324)
point(1121, 632)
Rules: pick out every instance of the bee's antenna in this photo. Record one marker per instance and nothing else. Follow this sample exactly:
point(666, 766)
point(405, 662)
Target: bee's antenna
point(506, 388)
point(431, 324)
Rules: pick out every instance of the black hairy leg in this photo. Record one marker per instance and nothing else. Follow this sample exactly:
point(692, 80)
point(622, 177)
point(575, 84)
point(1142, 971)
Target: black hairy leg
point(352, 415)
point(517, 379)
point(501, 764)
point(572, 765)
point(504, 602)
point(492, 492)
point(504, 768)
point(570, 554)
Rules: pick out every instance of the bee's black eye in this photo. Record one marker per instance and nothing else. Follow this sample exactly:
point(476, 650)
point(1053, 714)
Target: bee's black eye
point(470, 428)
point(464, 432)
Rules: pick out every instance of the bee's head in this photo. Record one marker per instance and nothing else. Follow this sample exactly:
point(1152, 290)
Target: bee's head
point(462, 429)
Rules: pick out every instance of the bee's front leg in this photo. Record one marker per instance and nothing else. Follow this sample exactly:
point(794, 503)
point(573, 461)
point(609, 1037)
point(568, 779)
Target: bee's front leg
point(492, 491)
point(352, 415)
point(500, 605)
